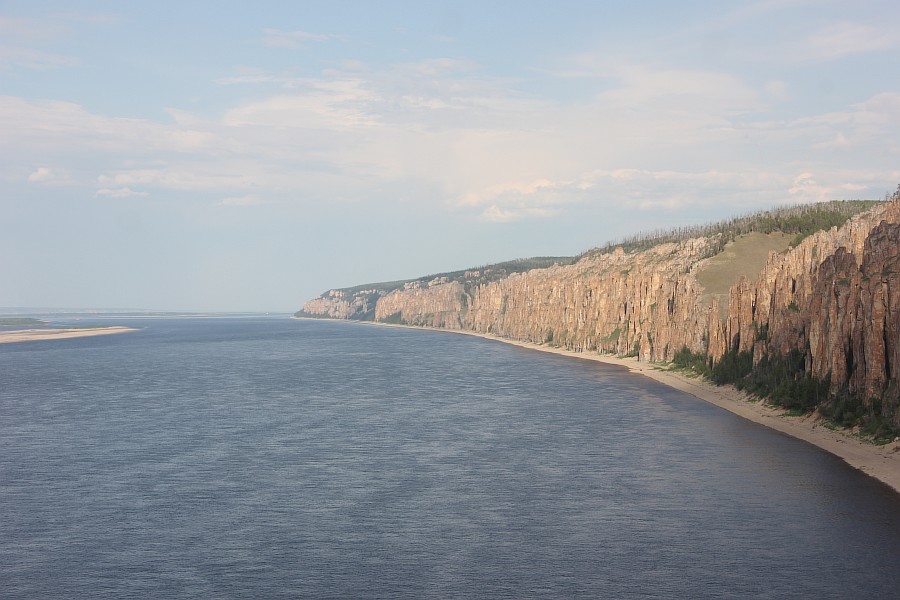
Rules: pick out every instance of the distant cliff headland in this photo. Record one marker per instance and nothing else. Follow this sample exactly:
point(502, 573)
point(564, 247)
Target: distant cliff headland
point(800, 305)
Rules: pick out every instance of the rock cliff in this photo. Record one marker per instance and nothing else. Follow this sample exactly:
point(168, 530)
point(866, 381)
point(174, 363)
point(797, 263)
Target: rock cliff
point(645, 303)
point(334, 305)
point(834, 297)
point(441, 305)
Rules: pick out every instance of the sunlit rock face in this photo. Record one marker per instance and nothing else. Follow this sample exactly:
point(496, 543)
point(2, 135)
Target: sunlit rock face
point(335, 304)
point(442, 305)
point(625, 303)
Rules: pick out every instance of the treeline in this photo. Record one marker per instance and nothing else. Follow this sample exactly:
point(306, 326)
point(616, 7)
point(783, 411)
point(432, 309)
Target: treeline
point(487, 273)
point(800, 219)
point(520, 265)
point(783, 381)
point(496, 271)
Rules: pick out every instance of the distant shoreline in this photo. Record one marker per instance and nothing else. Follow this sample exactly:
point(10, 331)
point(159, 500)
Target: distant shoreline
point(880, 462)
point(36, 335)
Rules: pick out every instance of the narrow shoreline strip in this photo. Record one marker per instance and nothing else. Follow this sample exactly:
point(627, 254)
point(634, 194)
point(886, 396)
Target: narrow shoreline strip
point(880, 462)
point(36, 335)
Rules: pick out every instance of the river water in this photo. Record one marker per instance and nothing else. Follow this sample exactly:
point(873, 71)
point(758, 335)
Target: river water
point(276, 458)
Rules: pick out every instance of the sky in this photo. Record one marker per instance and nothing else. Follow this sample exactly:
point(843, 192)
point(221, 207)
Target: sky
point(229, 156)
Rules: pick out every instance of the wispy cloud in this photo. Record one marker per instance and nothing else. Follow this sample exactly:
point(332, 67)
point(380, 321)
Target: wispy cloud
point(122, 192)
point(22, 40)
point(514, 201)
point(438, 67)
point(806, 189)
point(89, 18)
point(198, 175)
point(42, 174)
point(28, 30)
point(497, 214)
point(846, 38)
point(342, 104)
point(566, 127)
point(859, 126)
point(647, 137)
point(255, 77)
point(682, 89)
point(248, 200)
point(11, 57)
point(50, 176)
point(276, 38)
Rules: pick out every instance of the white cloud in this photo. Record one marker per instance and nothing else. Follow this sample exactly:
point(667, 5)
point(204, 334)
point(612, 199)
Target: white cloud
point(806, 189)
point(807, 186)
point(122, 192)
point(341, 105)
point(493, 192)
point(51, 177)
point(670, 191)
point(497, 214)
point(679, 190)
point(42, 174)
point(645, 137)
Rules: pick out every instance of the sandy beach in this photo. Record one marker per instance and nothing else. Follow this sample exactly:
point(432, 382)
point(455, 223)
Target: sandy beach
point(34, 335)
point(881, 462)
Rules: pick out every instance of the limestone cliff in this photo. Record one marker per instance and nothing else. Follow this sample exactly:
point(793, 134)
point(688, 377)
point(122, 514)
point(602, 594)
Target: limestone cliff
point(440, 305)
point(337, 304)
point(834, 297)
point(645, 303)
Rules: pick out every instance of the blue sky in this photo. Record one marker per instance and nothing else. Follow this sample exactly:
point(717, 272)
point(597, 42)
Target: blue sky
point(228, 156)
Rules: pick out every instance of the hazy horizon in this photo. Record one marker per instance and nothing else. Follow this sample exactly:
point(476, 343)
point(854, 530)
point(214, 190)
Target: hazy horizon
point(218, 157)
point(13, 311)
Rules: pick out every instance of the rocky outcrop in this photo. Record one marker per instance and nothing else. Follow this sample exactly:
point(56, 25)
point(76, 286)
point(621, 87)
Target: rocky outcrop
point(441, 305)
point(337, 304)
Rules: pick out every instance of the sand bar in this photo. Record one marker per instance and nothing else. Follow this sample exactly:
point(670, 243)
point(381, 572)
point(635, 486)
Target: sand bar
point(34, 335)
point(881, 462)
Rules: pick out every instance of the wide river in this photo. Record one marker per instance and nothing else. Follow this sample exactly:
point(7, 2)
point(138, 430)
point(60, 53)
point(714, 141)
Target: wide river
point(276, 458)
